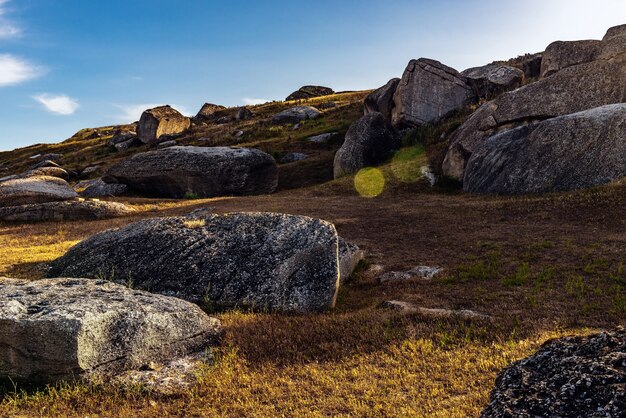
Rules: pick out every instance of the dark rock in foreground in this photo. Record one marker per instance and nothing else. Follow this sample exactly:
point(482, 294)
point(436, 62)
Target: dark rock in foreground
point(74, 210)
point(65, 329)
point(250, 260)
point(569, 377)
point(179, 171)
point(570, 152)
point(370, 141)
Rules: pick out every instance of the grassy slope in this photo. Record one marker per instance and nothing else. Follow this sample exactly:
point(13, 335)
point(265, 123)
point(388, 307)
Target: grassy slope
point(80, 152)
point(545, 266)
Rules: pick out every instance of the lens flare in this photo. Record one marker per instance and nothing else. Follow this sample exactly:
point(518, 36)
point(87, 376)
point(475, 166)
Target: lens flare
point(369, 182)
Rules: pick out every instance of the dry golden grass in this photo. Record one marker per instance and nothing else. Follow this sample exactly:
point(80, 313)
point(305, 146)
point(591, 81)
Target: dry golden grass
point(359, 360)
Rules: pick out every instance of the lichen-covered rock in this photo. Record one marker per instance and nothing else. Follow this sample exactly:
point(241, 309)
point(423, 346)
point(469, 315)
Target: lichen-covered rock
point(75, 210)
point(492, 80)
point(39, 189)
point(308, 92)
point(428, 92)
point(64, 329)
point(381, 100)
point(295, 115)
point(160, 121)
point(201, 171)
point(251, 260)
point(369, 141)
point(568, 377)
point(569, 152)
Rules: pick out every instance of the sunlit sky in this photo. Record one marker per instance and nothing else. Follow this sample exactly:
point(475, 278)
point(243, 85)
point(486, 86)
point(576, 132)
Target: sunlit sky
point(71, 64)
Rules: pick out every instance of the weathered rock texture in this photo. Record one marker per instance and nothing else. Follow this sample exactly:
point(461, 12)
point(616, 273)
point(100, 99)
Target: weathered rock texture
point(428, 92)
point(254, 260)
point(569, 152)
point(295, 115)
point(163, 120)
point(569, 90)
point(41, 189)
point(202, 171)
point(369, 141)
point(560, 54)
point(307, 92)
point(63, 329)
point(87, 210)
point(568, 377)
point(492, 80)
point(350, 255)
point(381, 100)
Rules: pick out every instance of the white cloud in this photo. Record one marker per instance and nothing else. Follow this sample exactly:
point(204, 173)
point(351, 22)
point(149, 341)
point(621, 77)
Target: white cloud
point(251, 102)
point(132, 112)
point(59, 104)
point(14, 70)
point(7, 28)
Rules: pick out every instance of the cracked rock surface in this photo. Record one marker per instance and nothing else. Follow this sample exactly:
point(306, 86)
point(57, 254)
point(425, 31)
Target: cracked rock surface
point(64, 329)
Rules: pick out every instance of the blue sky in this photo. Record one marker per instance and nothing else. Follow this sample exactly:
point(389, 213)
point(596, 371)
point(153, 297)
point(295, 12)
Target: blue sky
point(71, 64)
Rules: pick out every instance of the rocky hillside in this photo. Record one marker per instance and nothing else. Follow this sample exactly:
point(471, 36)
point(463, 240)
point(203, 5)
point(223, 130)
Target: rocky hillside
point(263, 258)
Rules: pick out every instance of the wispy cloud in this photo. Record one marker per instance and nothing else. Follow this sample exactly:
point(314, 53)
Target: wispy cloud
point(14, 70)
point(250, 101)
point(8, 29)
point(58, 104)
point(132, 112)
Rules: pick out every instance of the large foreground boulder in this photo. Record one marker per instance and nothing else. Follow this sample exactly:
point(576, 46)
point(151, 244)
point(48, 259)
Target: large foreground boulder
point(308, 92)
point(492, 80)
point(569, 377)
point(569, 90)
point(428, 92)
point(163, 120)
point(251, 260)
point(179, 171)
point(75, 210)
point(295, 115)
point(369, 141)
point(569, 152)
point(64, 329)
point(381, 100)
point(37, 189)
